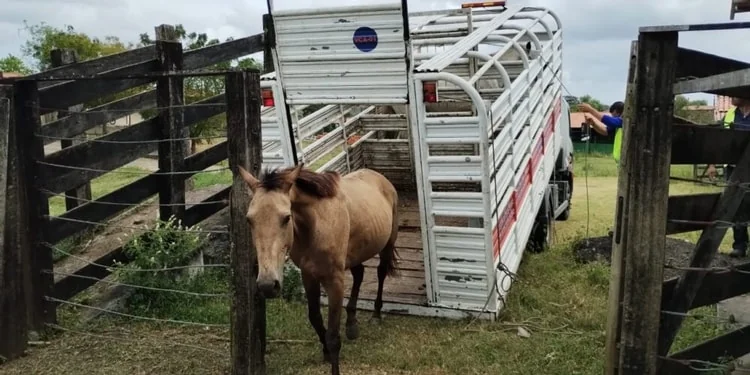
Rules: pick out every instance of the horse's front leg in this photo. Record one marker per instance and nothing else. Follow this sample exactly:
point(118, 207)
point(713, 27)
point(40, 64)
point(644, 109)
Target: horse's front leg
point(312, 291)
point(335, 290)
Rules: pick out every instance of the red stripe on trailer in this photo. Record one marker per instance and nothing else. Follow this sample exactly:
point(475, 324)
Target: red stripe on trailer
point(504, 222)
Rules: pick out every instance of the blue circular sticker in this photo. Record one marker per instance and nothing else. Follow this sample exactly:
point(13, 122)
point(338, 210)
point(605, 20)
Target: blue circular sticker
point(365, 39)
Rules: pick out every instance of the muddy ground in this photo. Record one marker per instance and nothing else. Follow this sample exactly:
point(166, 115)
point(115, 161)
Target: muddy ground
point(678, 254)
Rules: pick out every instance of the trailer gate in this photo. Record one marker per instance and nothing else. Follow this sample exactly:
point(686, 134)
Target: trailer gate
point(480, 158)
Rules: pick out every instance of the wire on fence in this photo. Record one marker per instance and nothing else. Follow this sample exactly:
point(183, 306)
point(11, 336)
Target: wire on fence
point(155, 204)
point(176, 291)
point(142, 173)
point(108, 141)
point(137, 340)
point(68, 111)
point(96, 223)
point(721, 224)
point(723, 184)
point(726, 269)
point(125, 315)
point(112, 268)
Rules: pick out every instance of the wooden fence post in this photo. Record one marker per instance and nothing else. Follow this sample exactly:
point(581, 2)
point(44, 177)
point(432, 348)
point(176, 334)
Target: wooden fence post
point(33, 206)
point(170, 101)
point(13, 322)
point(80, 195)
point(269, 41)
point(245, 149)
point(612, 357)
point(643, 192)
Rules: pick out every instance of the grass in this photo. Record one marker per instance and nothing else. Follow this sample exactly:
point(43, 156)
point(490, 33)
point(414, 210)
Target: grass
point(562, 304)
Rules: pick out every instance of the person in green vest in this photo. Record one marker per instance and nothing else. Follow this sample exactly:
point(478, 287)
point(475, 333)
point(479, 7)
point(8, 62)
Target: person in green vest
point(606, 124)
point(737, 118)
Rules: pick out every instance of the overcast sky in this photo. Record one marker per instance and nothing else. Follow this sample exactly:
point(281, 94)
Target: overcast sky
point(597, 33)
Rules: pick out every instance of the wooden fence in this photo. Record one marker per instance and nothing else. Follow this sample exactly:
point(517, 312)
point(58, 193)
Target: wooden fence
point(29, 292)
point(646, 312)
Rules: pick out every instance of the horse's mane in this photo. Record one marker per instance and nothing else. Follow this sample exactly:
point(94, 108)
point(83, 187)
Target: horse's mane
point(321, 185)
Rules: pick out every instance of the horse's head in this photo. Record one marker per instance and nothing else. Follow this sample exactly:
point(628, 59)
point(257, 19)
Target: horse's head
point(270, 219)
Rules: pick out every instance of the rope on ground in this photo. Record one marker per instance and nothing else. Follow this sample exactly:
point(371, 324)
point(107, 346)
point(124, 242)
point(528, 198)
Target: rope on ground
point(100, 224)
point(125, 315)
point(98, 280)
point(112, 268)
point(142, 173)
point(136, 340)
point(107, 203)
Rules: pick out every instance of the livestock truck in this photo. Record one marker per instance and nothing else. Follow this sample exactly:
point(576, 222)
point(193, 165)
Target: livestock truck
point(461, 109)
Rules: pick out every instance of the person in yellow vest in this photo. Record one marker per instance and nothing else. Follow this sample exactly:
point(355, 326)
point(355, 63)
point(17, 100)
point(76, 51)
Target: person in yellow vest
point(605, 124)
point(738, 118)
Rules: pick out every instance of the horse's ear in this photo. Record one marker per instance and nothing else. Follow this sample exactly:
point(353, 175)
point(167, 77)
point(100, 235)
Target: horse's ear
point(249, 179)
point(292, 176)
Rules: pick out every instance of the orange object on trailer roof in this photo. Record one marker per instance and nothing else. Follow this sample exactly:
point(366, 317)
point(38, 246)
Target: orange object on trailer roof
point(485, 4)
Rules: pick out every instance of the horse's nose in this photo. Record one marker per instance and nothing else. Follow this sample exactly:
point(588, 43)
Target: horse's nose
point(269, 288)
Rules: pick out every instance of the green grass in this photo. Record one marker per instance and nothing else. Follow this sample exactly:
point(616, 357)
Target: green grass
point(101, 186)
point(563, 304)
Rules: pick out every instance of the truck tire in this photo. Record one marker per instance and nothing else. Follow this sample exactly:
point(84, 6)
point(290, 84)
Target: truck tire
point(541, 233)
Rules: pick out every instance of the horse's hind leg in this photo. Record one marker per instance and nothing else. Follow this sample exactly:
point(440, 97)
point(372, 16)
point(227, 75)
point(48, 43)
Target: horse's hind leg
point(312, 291)
point(352, 328)
point(385, 268)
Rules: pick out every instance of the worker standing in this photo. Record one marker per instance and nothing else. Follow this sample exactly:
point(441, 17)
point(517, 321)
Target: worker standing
point(737, 117)
point(605, 124)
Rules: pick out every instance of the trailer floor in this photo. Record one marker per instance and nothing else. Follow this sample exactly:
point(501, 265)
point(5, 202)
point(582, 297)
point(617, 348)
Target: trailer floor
point(409, 286)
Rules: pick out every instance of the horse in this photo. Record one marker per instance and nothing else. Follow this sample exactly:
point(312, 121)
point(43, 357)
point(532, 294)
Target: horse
point(326, 224)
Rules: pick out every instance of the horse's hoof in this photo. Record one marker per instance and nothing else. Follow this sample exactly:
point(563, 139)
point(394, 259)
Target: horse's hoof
point(352, 332)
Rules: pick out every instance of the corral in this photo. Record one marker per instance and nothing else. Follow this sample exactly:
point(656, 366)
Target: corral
point(557, 315)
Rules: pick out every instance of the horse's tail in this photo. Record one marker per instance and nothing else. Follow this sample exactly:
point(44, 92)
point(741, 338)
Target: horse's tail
point(389, 255)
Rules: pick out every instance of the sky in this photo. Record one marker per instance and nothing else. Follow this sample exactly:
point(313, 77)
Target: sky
point(596, 33)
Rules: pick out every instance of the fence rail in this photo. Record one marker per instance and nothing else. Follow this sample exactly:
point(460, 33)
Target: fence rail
point(33, 285)
point(647, 312)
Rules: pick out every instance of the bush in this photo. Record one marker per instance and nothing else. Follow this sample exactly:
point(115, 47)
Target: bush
point(169, 245)
point(292, 289)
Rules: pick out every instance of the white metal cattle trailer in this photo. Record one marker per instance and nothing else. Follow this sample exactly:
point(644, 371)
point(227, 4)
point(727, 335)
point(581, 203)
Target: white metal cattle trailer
point(460, 109)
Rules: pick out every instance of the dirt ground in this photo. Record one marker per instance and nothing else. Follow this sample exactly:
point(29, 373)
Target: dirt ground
point(678, 254)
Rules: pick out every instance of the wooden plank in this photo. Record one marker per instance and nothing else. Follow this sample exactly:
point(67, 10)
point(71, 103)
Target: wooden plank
point(214, 54)
point(269, 42)
point(717, 285)
point(123, 198)
point(170, 97)
point(13, 327)
point(94, 66)
point(71, 93)
point(248, 338)
point(697, 208)
point(700, 144)
point(733, 344)
point(75, 124)
point(735, 84)
point(200, 212)
point(100, 156)
point(692, 63)
point(74, 197)
point(33, 206)
point(614, 313)
point(643, 191)
point(689, 284)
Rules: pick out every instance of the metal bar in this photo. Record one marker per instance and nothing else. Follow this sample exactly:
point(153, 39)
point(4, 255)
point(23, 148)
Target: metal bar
point(696, 27)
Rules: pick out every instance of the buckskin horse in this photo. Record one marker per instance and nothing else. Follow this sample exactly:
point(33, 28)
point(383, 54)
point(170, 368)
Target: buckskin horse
point(326, 224)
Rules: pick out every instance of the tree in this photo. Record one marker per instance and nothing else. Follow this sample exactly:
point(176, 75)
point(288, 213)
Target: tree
point(44, 38)
point(593, 102)
point(199, 88)
point(14, 64)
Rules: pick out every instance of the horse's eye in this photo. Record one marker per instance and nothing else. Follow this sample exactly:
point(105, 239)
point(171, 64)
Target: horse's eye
point(285, 220)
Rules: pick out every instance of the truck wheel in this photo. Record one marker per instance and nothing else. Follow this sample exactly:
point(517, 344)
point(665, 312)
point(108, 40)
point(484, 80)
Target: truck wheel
point(565, 215)
point(541, 233)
